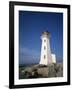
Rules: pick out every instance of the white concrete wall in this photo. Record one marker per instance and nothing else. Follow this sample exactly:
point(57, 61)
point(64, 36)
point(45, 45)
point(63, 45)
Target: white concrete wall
point(53, 58)
point(43, 52)
point(46, 52)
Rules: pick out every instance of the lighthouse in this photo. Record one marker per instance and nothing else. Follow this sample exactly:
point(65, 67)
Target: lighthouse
point(45, 57)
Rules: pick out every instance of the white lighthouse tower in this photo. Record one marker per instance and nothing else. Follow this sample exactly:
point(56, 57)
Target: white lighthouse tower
point(46, 57)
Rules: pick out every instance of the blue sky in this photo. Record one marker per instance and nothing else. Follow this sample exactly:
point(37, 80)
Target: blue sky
point(31, 25)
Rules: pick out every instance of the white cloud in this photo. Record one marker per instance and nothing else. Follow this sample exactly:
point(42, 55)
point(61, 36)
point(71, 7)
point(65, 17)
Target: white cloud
point(28, 56)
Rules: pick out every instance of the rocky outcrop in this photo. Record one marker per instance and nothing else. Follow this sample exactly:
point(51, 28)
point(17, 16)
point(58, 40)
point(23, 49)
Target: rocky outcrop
point(41, 71)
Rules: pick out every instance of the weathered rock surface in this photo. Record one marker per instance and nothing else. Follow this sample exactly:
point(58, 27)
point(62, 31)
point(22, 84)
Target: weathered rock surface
point(41, 71)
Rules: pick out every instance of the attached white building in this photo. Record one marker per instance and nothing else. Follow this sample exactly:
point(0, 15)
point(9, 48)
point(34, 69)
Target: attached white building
point(53, 58)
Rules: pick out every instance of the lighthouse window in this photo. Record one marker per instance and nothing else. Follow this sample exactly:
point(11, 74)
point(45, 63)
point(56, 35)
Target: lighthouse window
point(44, 56)
point(44, 47)
point(44, 40)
